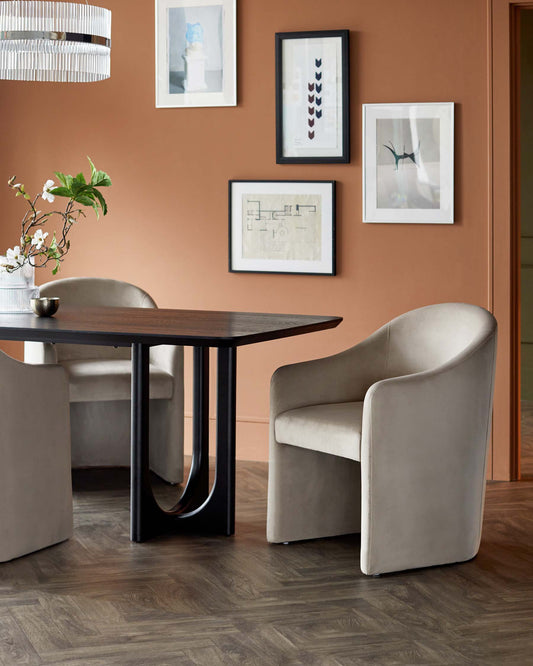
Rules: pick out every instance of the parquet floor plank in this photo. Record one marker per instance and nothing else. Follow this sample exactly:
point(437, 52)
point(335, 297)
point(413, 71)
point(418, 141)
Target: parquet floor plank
point(99, 599)
point(15, 648)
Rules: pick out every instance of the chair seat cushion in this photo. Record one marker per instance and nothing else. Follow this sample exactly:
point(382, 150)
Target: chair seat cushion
point(97, 380)
point(333, 428)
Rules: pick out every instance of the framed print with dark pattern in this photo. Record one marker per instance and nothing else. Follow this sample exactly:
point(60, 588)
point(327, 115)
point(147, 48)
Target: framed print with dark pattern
point(312, 97)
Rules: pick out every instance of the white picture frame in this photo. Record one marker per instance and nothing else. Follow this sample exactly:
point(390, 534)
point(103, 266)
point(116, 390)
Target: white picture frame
point(195, 53)
point(282, 226)
point(408, 163)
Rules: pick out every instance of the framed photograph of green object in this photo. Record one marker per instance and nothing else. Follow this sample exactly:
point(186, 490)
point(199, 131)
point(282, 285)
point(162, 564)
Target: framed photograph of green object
point(408, 174)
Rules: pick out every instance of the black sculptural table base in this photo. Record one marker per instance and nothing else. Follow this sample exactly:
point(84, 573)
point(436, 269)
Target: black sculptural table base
point(197, 510)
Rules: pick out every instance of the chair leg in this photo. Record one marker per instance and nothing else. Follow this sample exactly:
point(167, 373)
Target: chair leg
point(311, 494)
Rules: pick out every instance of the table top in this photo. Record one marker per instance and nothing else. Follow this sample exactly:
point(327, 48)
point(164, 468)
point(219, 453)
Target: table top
point(124, 326)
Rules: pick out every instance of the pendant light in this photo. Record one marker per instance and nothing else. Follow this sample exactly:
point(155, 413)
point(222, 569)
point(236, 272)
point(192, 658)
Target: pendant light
point(54, 41)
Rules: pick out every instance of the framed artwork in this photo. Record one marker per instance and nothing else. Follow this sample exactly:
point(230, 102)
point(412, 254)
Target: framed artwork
point(312, 97)
point(195, 58)
point(282, 226)
point(408, 163)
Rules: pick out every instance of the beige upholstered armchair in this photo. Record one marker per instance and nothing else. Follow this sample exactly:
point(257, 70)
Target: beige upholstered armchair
point(35, 484)
point(388, 438)
point(100, 385)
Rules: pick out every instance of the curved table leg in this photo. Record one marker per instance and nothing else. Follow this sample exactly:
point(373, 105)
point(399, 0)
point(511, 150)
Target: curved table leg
point(215, 515)
point(197, 488)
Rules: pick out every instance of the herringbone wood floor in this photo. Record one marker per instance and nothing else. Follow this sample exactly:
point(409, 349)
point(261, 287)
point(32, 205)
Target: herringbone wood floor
point(99, 599)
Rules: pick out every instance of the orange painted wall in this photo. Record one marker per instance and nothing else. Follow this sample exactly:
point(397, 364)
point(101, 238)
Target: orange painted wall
point(167, 226)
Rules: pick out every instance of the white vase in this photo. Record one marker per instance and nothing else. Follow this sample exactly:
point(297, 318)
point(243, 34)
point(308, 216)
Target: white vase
point(17, 288)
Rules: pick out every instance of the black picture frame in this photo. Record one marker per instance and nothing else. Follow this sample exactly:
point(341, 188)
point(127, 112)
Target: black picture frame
point(265, 236)
point(295, 129)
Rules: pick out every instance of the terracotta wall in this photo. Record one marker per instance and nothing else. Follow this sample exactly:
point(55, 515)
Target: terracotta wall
point(167, 226)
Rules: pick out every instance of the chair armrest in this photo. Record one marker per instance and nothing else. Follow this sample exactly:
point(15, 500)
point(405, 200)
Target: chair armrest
point(40, 352)
point(39, 384)
point(423, 461)
point(343, 377)
point(429, 402)
point(168, 358)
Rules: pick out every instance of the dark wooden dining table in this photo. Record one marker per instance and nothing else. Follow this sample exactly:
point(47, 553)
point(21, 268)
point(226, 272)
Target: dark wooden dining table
point(199, 509)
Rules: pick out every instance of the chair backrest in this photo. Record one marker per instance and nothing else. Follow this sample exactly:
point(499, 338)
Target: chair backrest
point(94, 292)
point(428, 337)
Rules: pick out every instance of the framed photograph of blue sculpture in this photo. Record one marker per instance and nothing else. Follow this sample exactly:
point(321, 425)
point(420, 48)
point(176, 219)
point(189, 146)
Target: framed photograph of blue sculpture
point(195, 43)
point(312, 97)
point(408, 174)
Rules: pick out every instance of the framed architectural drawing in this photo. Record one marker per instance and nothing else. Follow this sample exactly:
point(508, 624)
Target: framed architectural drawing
point(312, 97)
point(282, 226)
point(195, 59)
point(408, 163)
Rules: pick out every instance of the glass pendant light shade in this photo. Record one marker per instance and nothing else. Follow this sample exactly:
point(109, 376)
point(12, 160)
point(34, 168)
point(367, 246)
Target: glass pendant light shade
point(54, 41)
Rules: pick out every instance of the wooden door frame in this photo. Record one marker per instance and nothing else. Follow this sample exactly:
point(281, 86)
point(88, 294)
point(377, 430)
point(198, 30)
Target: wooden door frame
point(504, 192)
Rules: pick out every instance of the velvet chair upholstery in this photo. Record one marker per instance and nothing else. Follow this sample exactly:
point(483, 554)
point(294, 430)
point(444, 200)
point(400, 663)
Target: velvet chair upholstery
point(100, 385)
point(388, 438)
point(35, 482)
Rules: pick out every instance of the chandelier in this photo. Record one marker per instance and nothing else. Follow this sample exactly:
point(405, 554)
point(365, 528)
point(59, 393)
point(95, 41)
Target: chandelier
point(54, 41)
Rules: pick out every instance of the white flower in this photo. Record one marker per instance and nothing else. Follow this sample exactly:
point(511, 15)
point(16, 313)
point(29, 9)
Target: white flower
point(38, 238)
point(46, 195)
point(15, 257)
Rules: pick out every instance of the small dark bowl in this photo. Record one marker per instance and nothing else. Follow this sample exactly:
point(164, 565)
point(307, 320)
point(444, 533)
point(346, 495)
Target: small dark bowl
point(44, 307)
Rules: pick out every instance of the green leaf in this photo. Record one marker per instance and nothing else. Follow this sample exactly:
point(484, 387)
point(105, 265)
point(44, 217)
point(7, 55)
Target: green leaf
point(102, 179)
point(80, 178)
point(61, 192)
point(102, 201)
point(93, 171)
point(98, 178)
point(85, 200)
point(78, 188)
point(64, 179)
point(61, 178)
